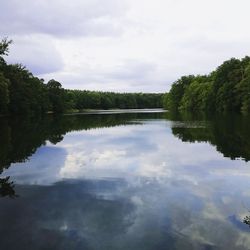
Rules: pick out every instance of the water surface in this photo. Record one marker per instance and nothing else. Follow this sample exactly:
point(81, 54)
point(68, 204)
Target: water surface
point(111, 180)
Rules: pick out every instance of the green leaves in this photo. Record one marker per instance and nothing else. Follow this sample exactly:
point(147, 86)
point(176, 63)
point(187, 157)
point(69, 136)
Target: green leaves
point(4, 46)
point(4, 94)
point(226, 89)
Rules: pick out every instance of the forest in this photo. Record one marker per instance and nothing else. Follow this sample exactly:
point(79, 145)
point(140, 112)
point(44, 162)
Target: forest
point(22, 93)
point(225, 89)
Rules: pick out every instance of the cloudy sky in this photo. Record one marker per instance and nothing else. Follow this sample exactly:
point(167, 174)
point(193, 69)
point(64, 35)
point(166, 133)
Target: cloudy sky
point(124, 45)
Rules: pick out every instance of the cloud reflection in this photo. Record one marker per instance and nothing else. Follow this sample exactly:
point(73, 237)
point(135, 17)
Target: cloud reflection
point(132, 187)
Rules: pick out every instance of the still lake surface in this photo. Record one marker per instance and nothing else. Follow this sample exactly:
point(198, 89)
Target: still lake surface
point(108, 180)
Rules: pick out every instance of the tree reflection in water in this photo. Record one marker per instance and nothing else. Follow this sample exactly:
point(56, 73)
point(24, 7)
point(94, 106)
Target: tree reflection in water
point(20, 138)
point(7, 188)
point(247, 220)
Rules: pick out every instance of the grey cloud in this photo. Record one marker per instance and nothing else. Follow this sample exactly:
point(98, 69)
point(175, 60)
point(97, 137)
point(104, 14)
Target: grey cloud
point(128, 76)
point(132, 70)
point(207, 45)
point(144, 76)
point(39, 56)
point(61, 18)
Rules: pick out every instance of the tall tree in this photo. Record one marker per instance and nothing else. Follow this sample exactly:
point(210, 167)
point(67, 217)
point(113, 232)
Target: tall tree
point(56, 96)
point(4, 94)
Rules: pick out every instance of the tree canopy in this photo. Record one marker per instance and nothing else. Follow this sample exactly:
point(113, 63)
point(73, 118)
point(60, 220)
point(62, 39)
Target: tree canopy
point(225, 89)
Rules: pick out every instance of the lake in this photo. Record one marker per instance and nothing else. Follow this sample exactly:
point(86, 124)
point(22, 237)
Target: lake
point(137, 180)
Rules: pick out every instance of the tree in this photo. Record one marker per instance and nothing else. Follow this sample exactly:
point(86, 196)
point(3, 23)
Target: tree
point(56, 96)
point(177, 91)
point(225, 89)
point(4, 46)
point(4, 94)
point(226, 78)
point(197, 94)
point(166, 101)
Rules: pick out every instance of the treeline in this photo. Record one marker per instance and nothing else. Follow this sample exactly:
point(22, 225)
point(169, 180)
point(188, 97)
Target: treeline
point(83, 99)
point(23, 93)
point(225, 89)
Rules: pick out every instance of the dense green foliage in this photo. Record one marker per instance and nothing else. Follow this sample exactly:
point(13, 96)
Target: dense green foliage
point(225, 89)
point(105, 100)
point(23, 93)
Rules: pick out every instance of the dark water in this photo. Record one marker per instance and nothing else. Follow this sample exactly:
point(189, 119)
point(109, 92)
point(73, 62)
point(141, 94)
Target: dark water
point(138, 181)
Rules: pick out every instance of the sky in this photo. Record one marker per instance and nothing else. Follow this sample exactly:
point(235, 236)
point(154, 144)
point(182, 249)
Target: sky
point(124, 45)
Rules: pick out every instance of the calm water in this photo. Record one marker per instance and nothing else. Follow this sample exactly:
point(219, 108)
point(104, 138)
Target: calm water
point(139, 181)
